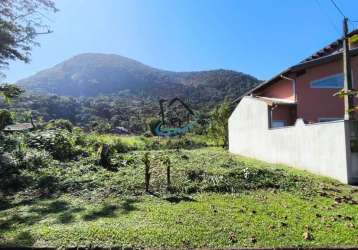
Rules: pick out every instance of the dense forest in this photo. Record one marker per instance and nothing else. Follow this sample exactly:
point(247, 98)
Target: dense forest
point(103, 92)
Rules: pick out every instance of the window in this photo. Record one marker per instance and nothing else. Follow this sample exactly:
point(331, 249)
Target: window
point(330, 82)
point(326, 119)
point(277, 124)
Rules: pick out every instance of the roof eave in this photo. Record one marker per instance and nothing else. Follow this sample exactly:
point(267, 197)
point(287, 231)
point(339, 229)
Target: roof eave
point(298, 67)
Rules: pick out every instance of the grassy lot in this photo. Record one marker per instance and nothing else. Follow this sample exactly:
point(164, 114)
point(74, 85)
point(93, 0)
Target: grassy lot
point(216, 200)
point(257, 218)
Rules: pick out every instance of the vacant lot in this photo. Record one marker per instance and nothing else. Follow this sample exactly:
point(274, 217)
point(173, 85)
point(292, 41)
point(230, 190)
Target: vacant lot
point(215, 200)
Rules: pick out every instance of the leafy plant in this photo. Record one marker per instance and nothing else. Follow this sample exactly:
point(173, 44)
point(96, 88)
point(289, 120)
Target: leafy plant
point(218, 129)
point(152, 124)
point(5, 118)
point(19, 24)
point(10, 91)
point(60, 143)
point(34, 159)
point(60, 124)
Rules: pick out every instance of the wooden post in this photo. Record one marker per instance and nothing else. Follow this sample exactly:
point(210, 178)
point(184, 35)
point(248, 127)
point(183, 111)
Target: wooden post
point(347, 71)
point(146, 162)
point(104, 160)
point(167, 161)
point(32, 122)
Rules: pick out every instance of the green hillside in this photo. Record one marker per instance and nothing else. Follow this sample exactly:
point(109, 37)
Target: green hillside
point(107, 74)
point(102, 92)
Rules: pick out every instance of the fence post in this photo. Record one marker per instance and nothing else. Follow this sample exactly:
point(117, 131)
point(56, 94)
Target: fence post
point(146, 162)
point(168, 165)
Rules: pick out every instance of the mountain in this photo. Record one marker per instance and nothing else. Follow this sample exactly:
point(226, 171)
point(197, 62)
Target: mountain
point(107, 74)
point(101, 92)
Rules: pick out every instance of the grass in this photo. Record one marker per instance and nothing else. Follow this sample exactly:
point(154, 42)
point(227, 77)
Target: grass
point(251, 219)
point(207, 169)
point(216, 200)
point(151, 143)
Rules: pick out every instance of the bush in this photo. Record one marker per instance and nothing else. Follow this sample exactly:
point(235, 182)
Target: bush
point(5, 118)
point(147, 134)
point(10, 175)
point(47, 184)
point(34, 159)
point(11, 142)
point(60, 124)
point(60, 143)
point(101, 126)
point(184, 143)
point(152, 124)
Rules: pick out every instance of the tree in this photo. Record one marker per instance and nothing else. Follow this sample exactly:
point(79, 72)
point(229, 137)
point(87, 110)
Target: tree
point(10, 91)
point(218, 129)
point(5, 118)
point(20, 23)
point(353, 93)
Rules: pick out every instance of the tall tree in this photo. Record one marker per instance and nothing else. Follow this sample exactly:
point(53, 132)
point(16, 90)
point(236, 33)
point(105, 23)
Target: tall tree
point(21, 21)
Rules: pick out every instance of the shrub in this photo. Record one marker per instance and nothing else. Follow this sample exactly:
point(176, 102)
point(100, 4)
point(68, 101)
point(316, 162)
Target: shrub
point(152, 124)
point(10, 175)
point(101, 126)
point(195, 174)
point(47, 184)
point(60, 143)
point(60, 124)
point(147, 134)
point(34, 159)
point(5, 118)
point(184, 143)
point(14, 143)
point(119, 146)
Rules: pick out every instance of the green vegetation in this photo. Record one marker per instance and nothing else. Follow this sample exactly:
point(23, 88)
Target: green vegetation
point(21, 22)
point(58, 194)
point(67, 182)
point(102, 92)
point(9, 91)
point(219, 120)
point(5, 118)
point(255, 219)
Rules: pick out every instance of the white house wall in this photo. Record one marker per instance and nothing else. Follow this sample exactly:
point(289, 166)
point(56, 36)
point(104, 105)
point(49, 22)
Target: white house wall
point(319, 148)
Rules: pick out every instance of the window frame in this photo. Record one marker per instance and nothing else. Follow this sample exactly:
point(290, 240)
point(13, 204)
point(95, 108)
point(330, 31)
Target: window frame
point(329, 119)
point(326, 78)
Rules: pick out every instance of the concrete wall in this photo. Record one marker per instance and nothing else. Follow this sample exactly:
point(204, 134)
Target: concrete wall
point(352, 152)
point(319, 148)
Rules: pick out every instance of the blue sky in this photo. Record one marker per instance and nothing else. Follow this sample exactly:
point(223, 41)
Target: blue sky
point(259, 37)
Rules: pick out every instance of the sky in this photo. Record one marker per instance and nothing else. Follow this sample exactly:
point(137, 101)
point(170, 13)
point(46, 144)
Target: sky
point(257, 37)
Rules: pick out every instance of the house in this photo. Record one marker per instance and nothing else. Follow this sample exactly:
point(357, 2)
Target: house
point(295, 118)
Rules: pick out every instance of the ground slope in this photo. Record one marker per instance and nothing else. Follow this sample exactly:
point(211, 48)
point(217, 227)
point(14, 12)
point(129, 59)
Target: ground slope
point(218, 200)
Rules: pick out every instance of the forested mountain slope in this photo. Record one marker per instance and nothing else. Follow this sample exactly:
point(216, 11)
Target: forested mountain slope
point(109, 90)
point(104, 74)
